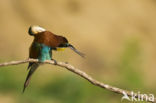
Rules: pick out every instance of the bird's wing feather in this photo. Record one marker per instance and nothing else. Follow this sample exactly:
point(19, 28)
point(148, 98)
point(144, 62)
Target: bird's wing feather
point(34, 52)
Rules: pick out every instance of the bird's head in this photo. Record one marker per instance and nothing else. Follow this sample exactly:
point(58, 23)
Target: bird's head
point(35, 29)
point(64, 44)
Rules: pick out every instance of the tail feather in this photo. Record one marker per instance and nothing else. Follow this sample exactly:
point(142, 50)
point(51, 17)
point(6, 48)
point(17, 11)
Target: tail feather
point(33, 66)
point(30, 64)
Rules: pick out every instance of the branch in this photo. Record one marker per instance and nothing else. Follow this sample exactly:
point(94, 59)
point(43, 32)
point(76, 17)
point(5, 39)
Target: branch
point(83, 75)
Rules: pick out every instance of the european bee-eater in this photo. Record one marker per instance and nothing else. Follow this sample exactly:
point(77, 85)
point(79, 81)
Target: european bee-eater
point(42, 46)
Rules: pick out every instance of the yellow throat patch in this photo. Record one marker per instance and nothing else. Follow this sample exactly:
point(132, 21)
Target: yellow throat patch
point(60, 49)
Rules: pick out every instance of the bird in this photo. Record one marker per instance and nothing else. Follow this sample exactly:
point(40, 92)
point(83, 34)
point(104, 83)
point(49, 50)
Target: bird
point(41, 48)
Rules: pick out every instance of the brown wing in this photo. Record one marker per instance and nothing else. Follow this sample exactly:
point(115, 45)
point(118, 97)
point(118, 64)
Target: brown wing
point(33, 51)
point(50, 39)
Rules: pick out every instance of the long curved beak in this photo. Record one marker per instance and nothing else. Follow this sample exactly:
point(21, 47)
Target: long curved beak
point(76, 51)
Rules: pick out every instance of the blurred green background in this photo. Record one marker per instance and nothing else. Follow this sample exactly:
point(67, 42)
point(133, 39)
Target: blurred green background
point(118, 38)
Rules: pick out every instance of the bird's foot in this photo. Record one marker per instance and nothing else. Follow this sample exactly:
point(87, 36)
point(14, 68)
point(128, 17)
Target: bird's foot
point(55, 62)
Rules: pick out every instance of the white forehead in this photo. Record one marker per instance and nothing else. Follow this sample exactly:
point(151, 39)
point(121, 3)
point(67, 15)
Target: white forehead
point(38, 29)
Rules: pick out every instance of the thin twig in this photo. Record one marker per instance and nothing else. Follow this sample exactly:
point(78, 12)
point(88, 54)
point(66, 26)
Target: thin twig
point(83, 75)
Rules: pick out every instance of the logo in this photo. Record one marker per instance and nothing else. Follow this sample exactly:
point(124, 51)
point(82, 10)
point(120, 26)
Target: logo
point(137, 97)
